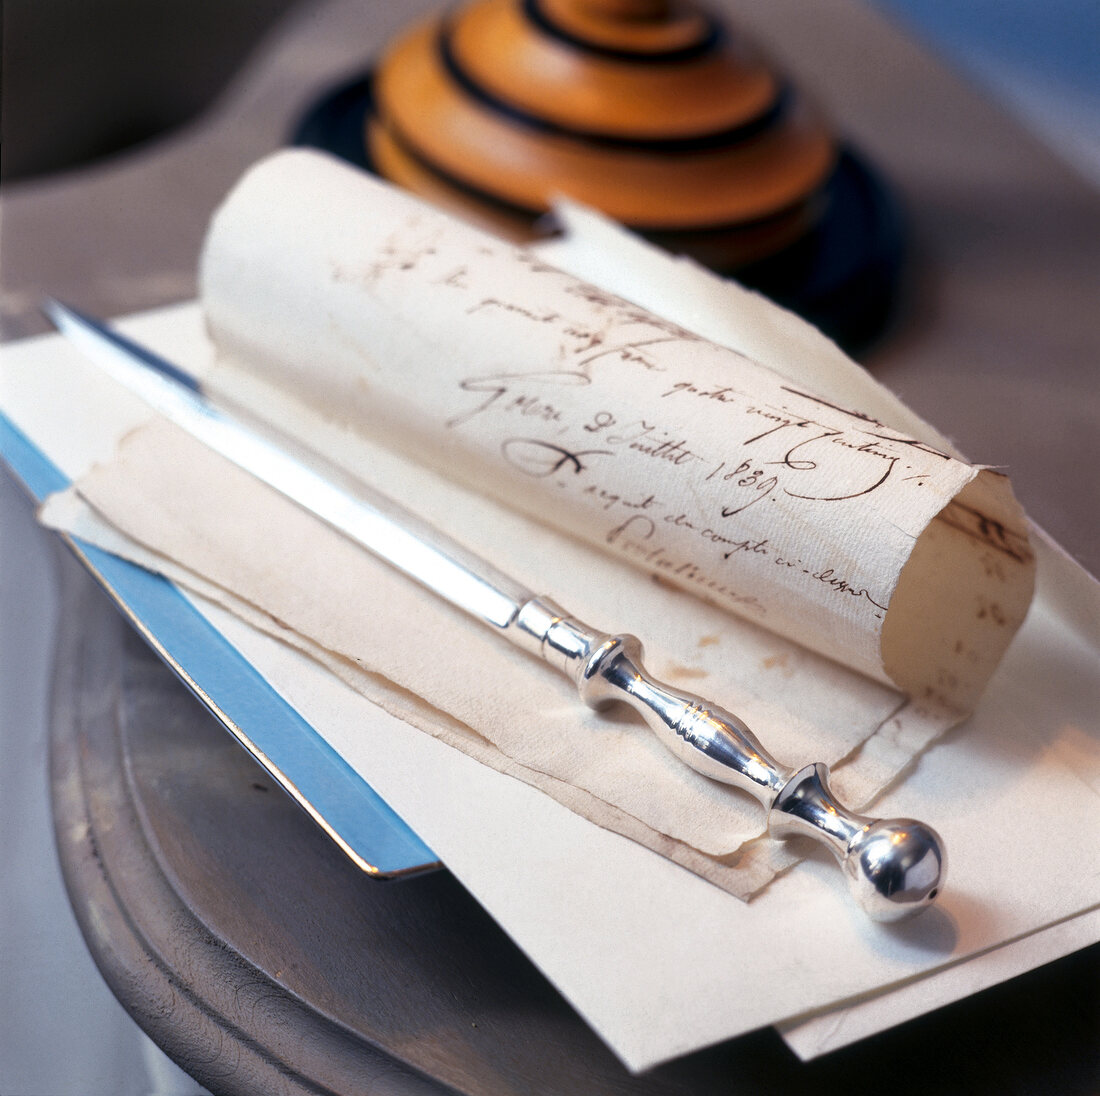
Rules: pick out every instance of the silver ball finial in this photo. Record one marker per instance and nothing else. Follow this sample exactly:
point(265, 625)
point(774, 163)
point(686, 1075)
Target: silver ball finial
point(895, 867)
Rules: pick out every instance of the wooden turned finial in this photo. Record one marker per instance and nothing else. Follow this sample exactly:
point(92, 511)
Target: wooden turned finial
point(648, 110)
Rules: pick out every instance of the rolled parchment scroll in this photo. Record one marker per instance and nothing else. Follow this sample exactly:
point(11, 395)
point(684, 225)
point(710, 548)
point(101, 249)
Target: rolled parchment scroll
point(686, 459)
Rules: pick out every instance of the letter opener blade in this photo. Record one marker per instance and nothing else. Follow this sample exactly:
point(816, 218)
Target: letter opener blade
point(894, 867)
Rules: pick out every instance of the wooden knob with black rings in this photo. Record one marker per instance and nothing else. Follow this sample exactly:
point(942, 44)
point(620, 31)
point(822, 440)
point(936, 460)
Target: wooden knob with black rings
point(652, 112)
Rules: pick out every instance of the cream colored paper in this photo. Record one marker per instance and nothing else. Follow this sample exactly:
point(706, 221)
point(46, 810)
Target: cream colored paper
point(689, 459)
point(616, 927)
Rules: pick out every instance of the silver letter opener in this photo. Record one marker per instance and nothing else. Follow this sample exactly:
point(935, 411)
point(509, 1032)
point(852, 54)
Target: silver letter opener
point(895, 867)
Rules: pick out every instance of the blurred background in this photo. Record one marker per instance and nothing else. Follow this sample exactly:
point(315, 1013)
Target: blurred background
point(85, 81)
point(86, 78)
point(82, 79)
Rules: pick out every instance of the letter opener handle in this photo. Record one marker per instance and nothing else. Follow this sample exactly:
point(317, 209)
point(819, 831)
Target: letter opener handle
point(894, 867)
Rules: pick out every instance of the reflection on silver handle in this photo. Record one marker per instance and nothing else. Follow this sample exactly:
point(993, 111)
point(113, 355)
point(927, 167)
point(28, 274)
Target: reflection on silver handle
point(895, 867)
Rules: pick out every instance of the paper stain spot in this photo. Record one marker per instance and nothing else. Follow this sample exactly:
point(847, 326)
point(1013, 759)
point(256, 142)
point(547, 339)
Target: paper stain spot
point(708, 641)
point(775, 661)
point(677, 672)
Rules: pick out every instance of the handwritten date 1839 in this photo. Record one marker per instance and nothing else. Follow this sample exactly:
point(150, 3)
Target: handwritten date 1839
point(744, 475)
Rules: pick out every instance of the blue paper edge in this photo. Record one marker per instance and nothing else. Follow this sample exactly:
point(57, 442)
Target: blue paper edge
point(342, 802)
